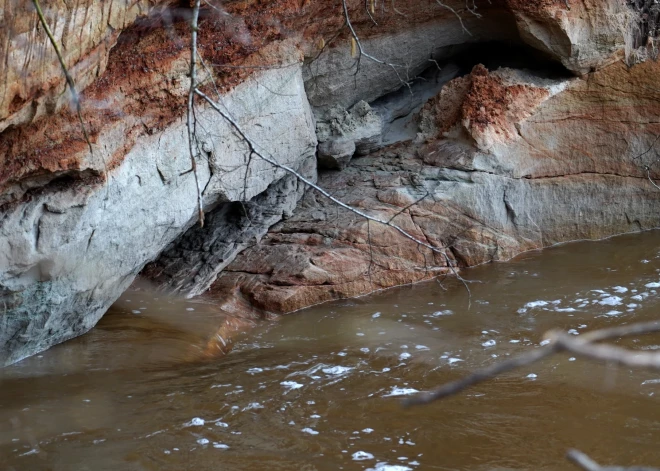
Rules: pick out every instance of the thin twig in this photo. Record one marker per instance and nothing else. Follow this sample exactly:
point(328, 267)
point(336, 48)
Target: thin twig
point(361, 51)
point(485, 374)
point(651, 147)
point(460, 19)
point(371, 253)
point(369, 6)
point(648, 175)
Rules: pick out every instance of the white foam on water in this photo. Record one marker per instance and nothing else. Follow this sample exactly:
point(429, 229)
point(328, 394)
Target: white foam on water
point(220, 446)
point(336, 370)
point(610, 301)
point(195, 422)
point(489, 343)
point(446, 312)
point(384, 466)
point(531, 376)
point(252, 406)
point(652, 285)
point(397, 391)
point(291, 385)
point(310, 431)
point(33, 451)
point(620, 289)
point(362, 455)
point(533, 304)
point(203, 441)
point(404, 356)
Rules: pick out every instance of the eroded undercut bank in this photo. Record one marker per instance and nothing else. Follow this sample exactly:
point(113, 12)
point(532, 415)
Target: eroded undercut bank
point(551, 139)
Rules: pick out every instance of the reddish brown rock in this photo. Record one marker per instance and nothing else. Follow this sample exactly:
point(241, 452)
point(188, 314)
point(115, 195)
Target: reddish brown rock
point(525, 162)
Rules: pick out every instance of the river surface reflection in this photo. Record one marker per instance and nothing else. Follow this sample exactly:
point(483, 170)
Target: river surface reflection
point(320, 389)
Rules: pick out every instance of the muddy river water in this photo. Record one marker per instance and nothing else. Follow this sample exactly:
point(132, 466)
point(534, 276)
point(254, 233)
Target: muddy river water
point(321, 389)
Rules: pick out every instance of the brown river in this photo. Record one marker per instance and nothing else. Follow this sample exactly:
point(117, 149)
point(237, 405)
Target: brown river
point(321, 389)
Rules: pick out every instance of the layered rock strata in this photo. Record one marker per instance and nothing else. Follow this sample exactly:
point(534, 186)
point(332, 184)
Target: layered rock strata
point(507, 162)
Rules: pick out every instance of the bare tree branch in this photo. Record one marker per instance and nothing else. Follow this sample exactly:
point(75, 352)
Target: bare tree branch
point(192, 138)
point(479, 376)
point(559, 342)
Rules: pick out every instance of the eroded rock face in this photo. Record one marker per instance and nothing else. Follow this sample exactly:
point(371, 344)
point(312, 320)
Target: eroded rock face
point(32, 84)
point(584, 35)
point(511, 162)
point(507, 160)
point(70, 248)
point(191, 263)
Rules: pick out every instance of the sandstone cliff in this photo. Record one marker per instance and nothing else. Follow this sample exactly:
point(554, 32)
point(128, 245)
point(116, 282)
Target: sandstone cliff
point(555, 142)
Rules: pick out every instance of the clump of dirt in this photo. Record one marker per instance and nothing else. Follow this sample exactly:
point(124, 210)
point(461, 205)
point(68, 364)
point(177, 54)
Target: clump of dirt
point(480, 102)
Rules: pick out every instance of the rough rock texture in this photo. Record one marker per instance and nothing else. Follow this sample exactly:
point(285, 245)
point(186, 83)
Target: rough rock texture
point(332, 80)
point(191, 263)
point(335, 153)
point(68, 249)
point(32, 83)
point(583, 34)
point(530, 127)
point(526, 162)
